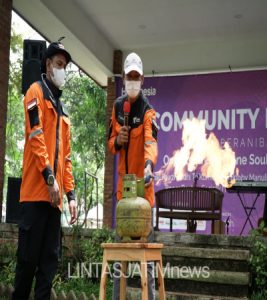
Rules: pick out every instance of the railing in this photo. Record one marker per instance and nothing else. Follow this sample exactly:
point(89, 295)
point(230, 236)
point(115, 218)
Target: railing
point(85, 191)
point(6, 294)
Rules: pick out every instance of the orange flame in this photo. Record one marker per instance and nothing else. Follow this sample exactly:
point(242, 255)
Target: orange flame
point(216, 162)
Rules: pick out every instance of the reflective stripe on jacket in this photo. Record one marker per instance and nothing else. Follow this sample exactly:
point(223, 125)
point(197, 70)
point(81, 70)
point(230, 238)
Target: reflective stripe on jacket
point(142, 146)
point(47, 145)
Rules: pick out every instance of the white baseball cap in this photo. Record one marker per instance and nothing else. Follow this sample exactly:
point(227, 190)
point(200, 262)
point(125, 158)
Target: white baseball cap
point(133, 62)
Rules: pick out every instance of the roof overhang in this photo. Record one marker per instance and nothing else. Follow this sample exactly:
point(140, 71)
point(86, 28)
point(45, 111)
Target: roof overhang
point(172, 37)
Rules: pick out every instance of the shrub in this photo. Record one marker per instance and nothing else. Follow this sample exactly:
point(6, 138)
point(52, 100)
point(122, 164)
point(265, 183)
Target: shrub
point(91, 248)
point(79, 285)
point(258, 263)
point(84, 250)
point(7, 262)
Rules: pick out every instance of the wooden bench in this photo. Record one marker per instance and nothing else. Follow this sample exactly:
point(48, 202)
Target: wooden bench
point(192, 203)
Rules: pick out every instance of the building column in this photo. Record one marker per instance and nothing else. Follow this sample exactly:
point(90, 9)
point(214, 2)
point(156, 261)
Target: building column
point(109, 158)
point(5, 34)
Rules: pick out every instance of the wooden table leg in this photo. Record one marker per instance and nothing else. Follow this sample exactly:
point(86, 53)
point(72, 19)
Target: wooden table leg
point(102, 292)
point(123, 280)
point(160, 280)
point(144, 289)
point(132, 252)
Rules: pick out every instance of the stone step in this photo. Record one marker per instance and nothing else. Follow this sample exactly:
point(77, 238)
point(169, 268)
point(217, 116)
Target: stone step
point(211, 276)
point(202, 280)
point(199, 287)
point(203, 240)
point(208, 253)
point(212, 264)
point(207, 288)
point(234, 260)
point(200, 274)
point(217, 271)
point(135, 294)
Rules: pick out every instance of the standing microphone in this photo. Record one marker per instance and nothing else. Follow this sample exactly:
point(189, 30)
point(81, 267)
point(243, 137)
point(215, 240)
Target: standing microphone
point(126, 112)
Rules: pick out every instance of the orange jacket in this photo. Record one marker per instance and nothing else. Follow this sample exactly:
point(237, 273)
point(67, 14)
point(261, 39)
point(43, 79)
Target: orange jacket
point(47, 144)
point(142, 146)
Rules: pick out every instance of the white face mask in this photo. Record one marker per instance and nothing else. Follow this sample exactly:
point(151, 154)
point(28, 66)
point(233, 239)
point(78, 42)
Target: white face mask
point(59, 77)
point(132, 88)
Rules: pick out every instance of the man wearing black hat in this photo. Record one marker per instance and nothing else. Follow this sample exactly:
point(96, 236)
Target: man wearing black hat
point(47, 175)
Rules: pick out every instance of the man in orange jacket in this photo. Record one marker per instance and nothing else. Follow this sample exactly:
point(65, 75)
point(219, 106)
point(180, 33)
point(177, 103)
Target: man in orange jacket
point(47, 174)
point(135, 143)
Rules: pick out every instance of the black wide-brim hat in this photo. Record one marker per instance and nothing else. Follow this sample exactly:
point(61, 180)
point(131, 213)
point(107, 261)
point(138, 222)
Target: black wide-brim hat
point(53, 49)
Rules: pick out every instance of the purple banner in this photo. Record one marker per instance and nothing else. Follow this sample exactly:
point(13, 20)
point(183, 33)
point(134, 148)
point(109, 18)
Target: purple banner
point(234, 106)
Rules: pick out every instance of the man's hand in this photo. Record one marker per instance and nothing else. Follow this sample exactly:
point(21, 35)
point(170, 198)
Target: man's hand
point(73, 211)
point(123, 136)
point(148, 174)
point(54, 194)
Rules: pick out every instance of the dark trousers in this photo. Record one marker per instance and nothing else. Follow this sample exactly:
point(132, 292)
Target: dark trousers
point(38, 250)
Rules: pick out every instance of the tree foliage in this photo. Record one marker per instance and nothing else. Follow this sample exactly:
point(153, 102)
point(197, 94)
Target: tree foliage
point(87, 109)
point(86, 102)
point(15, 114)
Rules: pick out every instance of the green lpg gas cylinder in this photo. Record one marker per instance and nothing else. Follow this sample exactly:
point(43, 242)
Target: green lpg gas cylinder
point(133, 213)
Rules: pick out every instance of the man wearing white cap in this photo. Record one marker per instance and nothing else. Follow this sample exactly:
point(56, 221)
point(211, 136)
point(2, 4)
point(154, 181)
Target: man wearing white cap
point(135, 143)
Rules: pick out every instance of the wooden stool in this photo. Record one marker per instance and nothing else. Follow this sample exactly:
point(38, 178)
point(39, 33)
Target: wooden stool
point(126, 252)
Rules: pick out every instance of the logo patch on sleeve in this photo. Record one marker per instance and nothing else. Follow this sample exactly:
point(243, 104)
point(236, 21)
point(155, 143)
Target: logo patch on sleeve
point(32, 104)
